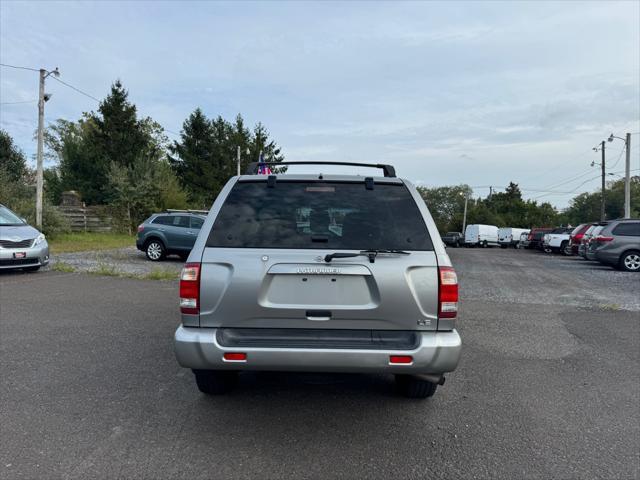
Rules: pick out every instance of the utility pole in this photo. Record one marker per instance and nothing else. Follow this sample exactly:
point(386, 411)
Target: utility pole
point(490, 192)
point(238, 156)
point(39, 181)
point(627, 178)
point(602, 200)
point(464, 217)
point(42, 98)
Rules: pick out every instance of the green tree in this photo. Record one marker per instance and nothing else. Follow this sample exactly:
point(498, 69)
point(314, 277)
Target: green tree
point(205, 156)
point(12, 161)
point(446, 205)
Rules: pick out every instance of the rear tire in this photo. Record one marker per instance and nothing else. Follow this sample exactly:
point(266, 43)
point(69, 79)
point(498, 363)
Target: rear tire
point(215, 382)
point(630, 261)
point(565, 249)
point(415, 387)
point(502, 245)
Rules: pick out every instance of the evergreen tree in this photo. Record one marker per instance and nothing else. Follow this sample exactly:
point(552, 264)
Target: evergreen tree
point(12, 160)
point(206, 155)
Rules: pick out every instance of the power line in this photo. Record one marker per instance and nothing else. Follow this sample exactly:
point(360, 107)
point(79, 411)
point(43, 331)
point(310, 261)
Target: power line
point(16, 103)
point(76, 89)
point(19, 67)
point(619, 157)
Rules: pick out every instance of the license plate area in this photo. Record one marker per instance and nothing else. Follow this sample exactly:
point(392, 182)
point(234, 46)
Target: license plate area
point(18, 255)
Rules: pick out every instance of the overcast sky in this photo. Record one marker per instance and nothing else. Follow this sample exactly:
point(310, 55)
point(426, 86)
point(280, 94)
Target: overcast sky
point(479, 93)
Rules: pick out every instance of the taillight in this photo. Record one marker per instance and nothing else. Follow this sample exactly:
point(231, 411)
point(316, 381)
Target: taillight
point(447, 293)
point(140, 228)
point(190, 288)
point(603, 239)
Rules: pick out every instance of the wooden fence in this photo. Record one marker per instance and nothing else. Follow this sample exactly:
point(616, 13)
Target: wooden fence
point(86, 219)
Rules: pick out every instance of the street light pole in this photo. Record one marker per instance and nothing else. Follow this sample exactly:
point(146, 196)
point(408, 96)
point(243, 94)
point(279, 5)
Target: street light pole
point(464, 217)
point(627, 178)
point(602, 200)
point(627, 174)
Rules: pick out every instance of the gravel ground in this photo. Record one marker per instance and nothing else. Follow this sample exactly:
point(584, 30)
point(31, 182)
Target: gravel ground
point(547, 387)
point(530, 276)
point(122, 261)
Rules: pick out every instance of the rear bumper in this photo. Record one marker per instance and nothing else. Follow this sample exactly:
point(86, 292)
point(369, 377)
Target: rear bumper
point(436, 353)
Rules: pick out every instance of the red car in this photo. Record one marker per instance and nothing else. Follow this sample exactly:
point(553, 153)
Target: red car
point(576, 236)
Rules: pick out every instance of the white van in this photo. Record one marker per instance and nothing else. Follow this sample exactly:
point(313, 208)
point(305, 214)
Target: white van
point(481, 235)
point(508, 236)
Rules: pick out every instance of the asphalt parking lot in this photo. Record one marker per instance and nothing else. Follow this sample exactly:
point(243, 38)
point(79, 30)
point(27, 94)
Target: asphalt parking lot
point(548, 387)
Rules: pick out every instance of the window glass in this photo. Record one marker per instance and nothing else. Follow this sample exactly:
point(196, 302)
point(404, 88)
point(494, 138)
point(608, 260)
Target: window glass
point(627, 229)
point(311, 215)
point(196, 223)
point(181, 221)
point(164, 220)
point(7, 217)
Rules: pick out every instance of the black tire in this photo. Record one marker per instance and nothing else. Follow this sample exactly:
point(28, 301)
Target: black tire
point(155, 250)
point(32, 269)
point(485, 244)
point(502, 245)
point(547, 249)
point(630, 261)
point(215, 382)
point(415, 387)
point(565, 249)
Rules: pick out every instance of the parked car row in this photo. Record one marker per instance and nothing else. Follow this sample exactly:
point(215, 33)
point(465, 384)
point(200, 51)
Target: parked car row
point(615, 243)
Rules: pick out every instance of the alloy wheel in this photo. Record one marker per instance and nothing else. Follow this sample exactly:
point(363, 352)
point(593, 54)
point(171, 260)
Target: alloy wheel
point(632, 262)
point(154, 251)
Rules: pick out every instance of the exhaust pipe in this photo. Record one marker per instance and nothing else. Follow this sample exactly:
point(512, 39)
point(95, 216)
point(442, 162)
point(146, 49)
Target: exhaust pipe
point(437, 379)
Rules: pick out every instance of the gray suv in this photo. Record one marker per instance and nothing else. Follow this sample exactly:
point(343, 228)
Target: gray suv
point(319, 273)
point(170, 232)
point(618, 244)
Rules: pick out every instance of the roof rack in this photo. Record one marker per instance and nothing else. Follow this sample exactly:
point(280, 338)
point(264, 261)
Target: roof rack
point(173, 210)
point(389, 170)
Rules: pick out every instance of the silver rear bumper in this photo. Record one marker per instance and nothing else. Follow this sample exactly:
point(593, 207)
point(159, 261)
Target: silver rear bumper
point(437, 353)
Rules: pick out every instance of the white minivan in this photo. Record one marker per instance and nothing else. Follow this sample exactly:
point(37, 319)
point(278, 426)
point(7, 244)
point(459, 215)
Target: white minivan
point(508, 236)
point(481, 235)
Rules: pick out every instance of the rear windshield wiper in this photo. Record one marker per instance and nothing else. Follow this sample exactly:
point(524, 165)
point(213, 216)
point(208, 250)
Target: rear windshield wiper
point(371, 254)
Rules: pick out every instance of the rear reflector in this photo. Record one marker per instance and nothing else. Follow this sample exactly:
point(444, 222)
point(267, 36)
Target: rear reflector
point(190, 289)
point(400, 359)
point(603, 239)
point(447, 293)
point(235, 357)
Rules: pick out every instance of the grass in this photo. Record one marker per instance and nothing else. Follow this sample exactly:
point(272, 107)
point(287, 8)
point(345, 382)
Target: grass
point(160, 274)
point(89, 241)
point(106, 270)
point(63, 267)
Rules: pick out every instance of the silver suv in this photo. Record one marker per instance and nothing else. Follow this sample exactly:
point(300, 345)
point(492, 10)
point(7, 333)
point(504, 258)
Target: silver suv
point(617, 243)
point(319, 273)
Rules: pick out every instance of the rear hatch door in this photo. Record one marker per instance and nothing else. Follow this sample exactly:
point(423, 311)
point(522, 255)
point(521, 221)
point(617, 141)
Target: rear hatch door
point(265, 262)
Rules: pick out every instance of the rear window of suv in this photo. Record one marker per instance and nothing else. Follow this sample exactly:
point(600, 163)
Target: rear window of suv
point(320, 215)
point(631, 229)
